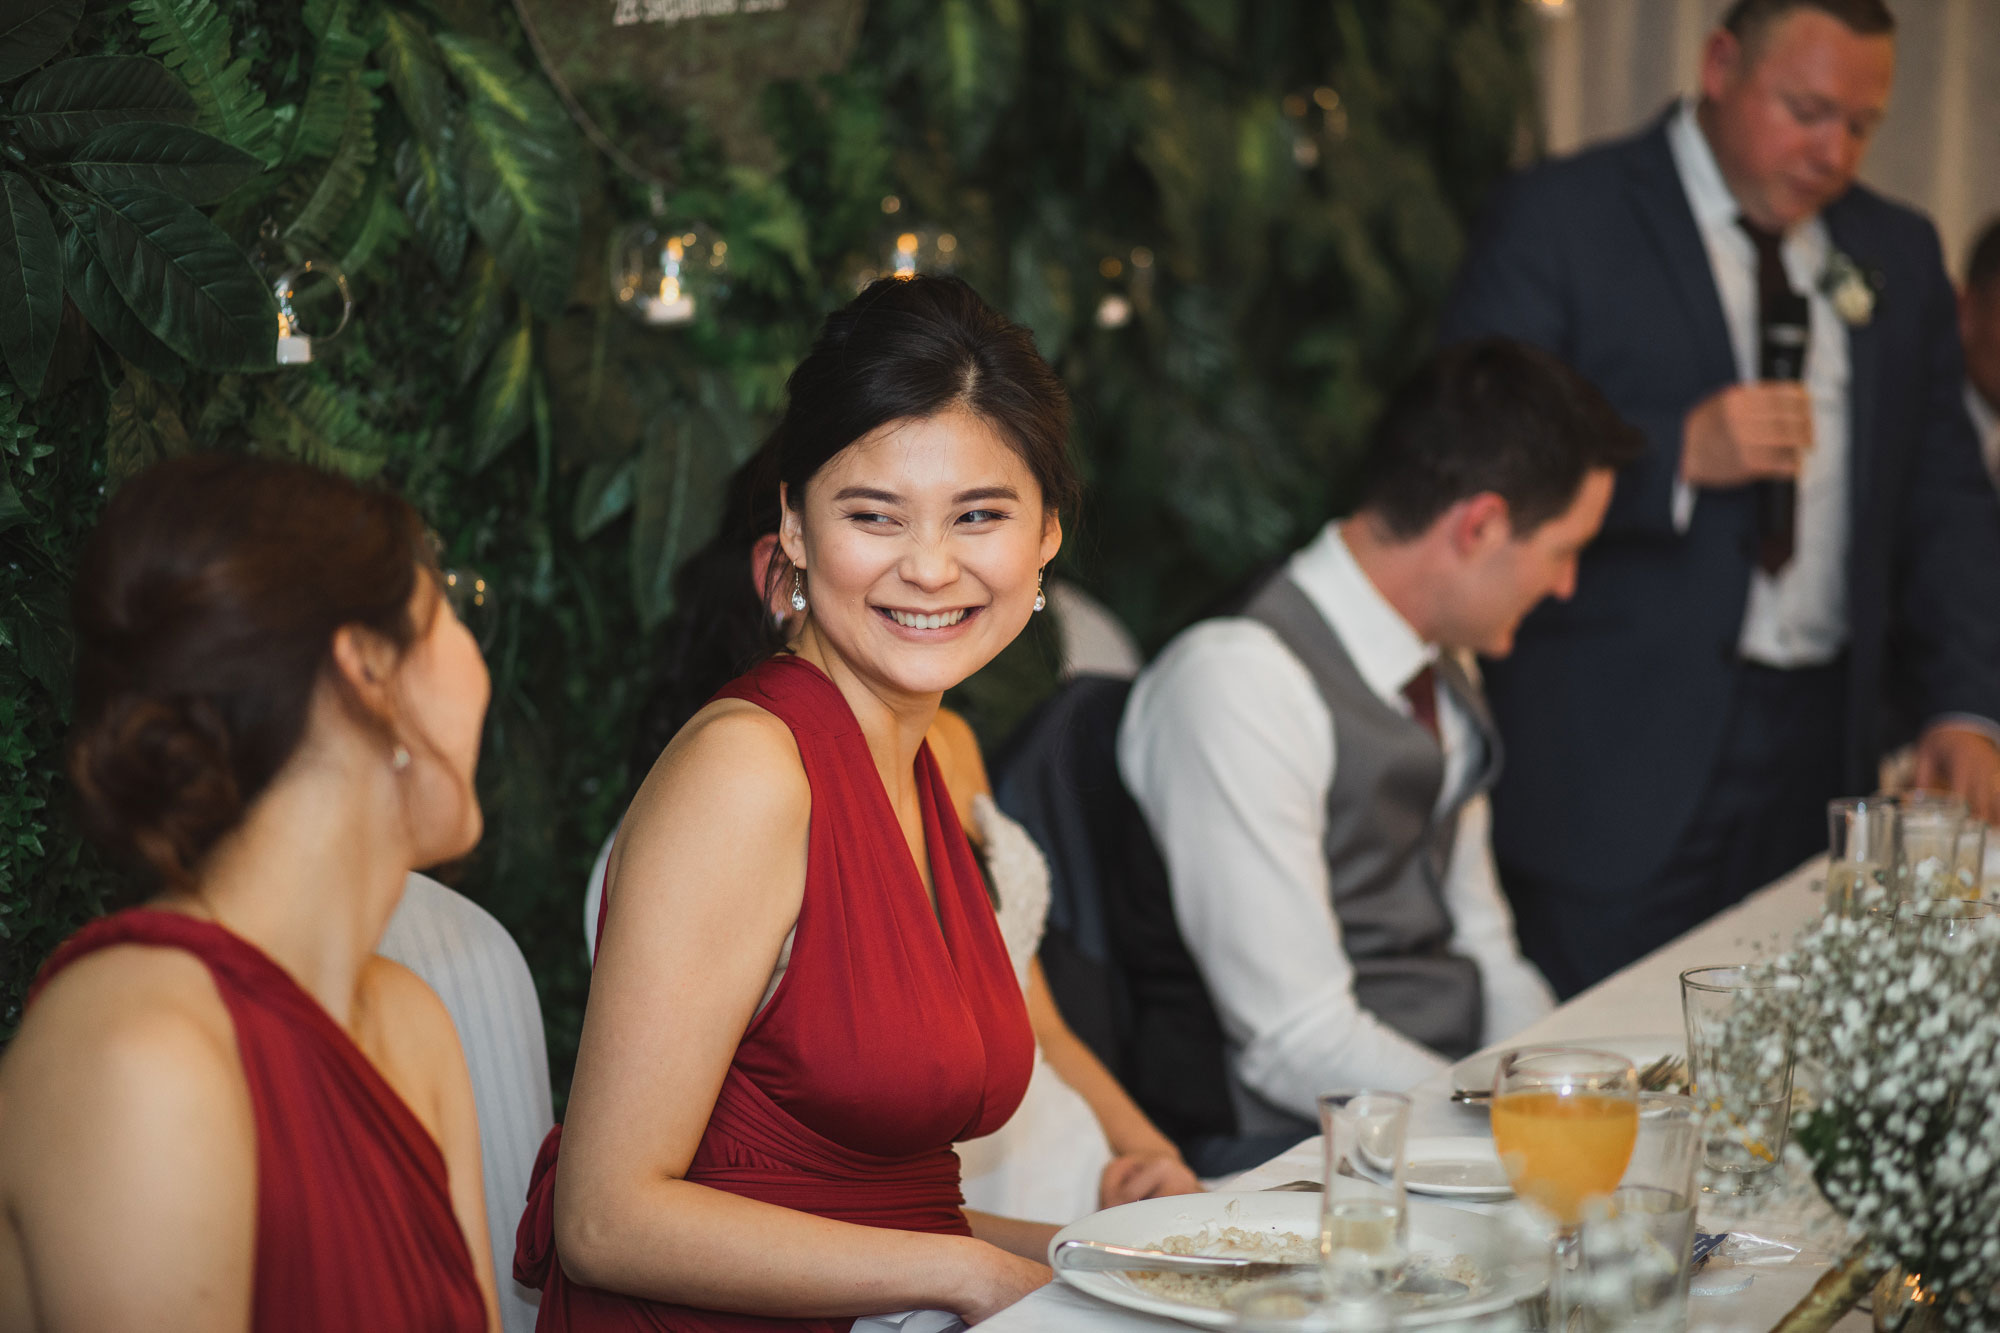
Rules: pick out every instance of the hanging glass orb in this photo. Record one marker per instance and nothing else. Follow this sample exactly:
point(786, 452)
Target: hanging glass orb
point(661, 277)
point(314, 305)
point(908, 251)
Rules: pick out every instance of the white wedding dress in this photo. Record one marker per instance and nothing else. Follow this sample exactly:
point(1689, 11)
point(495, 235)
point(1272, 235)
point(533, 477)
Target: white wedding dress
point(1043, 1164)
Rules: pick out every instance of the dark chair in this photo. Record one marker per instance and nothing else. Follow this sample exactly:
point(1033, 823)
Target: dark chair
point(1115, 960)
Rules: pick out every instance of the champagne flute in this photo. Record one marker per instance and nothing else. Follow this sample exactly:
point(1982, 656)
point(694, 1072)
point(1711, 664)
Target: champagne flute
point(1564, 1122)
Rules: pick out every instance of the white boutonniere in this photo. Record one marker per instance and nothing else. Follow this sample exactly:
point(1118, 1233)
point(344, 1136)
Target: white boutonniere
point(1851, 286)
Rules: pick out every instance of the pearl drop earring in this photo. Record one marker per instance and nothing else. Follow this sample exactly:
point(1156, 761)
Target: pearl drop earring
point(1041, 598)
point(399, 758)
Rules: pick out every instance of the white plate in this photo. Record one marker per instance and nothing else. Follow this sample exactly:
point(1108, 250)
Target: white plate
point(1511, 1269)
point(1475, 1072)
point(1455, 1168)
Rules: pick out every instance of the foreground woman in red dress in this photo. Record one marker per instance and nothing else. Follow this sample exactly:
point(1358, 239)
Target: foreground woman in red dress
point(801, 997)
point(223, 1111)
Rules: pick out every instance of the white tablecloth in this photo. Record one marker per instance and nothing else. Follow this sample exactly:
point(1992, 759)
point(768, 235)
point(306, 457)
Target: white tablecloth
point(1643, 999)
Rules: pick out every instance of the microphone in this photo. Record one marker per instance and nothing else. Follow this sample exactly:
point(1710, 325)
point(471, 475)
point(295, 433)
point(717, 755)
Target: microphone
point(1785, 327)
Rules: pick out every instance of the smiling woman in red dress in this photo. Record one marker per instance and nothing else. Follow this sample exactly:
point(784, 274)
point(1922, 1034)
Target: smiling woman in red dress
point(223, 1111)
point(801, 997)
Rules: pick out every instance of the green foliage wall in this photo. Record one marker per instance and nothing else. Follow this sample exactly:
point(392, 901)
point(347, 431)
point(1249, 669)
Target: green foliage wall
point(1276, 191)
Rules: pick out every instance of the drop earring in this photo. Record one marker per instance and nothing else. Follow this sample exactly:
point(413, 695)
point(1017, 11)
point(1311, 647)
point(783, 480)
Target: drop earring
point(798, 590)
point(1041, 598)
point(399, 758)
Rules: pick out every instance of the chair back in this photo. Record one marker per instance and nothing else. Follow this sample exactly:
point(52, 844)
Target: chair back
point(475, 967)
point(1114, 957)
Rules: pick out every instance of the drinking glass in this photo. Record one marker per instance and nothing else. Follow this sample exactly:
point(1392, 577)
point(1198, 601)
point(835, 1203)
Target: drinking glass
point(1564, 1122)
point(1927, 827)
point(1862, 852)
point(1950, 918)
point(1636, 1261)
point(1968, 865)
point(1308, 1304)
point(1364, 1222)
point(1742, 1144)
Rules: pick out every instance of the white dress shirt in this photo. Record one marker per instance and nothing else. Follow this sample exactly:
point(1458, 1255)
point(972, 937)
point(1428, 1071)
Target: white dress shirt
point(1229, 750)
point(1985, 425)
point(1798, 616)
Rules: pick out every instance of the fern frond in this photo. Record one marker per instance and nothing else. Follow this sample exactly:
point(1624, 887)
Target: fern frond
point(345, 179)
point(323, 119)
point(304, 415)
point(384, 230)
point(192, 39)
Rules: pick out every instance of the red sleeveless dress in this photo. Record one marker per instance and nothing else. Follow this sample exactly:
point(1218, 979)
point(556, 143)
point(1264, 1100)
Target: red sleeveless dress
point(355, 1227)
point(893, 1033)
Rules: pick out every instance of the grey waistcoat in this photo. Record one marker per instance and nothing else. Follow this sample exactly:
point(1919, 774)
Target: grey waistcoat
point(1387, 842)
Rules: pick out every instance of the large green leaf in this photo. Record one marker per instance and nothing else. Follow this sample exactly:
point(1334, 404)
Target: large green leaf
point(483, 312)
point(142, 425)
point(602, 494)
point(186, 281)
point(416, 72)
point(500, 407)
point(33, 30)
point(199, 168)
point(68, 102)
point(515, 156)
point(431, 198)
point(88, 281)
point(31, 285)
point(193, 38)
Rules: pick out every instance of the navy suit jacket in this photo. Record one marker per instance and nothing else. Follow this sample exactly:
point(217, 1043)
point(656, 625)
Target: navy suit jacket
point(1613, 704)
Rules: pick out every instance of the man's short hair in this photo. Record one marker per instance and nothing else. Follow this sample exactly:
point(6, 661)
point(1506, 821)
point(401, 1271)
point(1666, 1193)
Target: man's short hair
point(1748, 19)
point(1982, 271)
point(1493, 415)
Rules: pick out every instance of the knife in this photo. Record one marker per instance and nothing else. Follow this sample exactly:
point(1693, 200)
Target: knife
point(1091, 1256)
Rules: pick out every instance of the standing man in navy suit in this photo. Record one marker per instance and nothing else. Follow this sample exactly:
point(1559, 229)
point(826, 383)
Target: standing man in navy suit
point(1809, 534)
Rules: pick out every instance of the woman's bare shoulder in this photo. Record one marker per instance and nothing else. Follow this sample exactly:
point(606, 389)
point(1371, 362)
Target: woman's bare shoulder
point(732, 754)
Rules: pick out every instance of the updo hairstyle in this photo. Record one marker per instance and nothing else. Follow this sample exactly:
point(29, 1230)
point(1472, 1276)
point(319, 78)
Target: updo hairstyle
point(911, 348)
point(205, 609)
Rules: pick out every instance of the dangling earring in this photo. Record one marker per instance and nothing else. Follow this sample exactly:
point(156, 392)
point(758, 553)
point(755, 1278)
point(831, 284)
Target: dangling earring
point(399, 758)
point(798, 589)
point(1041, 599)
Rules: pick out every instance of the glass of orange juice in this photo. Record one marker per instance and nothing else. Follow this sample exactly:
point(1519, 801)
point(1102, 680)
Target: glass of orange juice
point(1564, 1122)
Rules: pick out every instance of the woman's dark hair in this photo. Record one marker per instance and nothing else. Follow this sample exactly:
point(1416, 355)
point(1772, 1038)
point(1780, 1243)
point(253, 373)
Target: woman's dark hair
point(910, 348)
point(205, 609)
point(904, 348)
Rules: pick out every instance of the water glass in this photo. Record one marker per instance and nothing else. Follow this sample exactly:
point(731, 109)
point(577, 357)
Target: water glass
point(1939, 919)
point(1927, 828)
point(1364, 1220)
point(1635, 1261)
point(1968, 865)
point(1862, 851)
point(1743, 1142)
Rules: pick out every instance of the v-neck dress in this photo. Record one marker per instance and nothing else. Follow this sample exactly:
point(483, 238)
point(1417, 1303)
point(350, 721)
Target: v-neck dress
point(355, 1228)
point(895, 1031)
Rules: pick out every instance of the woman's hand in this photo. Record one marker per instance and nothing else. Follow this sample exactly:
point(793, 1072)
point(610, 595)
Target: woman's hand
point(1144, 1176)
point(994, 1280)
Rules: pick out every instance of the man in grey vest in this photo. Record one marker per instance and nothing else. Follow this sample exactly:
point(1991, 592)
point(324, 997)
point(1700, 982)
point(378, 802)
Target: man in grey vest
point(1315, 768)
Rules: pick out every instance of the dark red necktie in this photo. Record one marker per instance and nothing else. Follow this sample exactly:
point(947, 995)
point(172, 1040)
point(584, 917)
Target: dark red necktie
point(1421, 691)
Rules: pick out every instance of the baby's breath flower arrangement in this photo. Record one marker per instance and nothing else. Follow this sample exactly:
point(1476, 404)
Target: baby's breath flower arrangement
point(1894, 1028)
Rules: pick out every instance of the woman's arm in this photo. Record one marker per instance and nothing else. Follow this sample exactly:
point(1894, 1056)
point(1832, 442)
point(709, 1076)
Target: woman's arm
point(128, 1149)
point(705, 881)
point(1147, 1164)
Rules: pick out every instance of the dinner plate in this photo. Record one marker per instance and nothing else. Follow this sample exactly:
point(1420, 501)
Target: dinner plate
point(1502, 1265)
point(1455, 1167)
point(1475, 1072)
